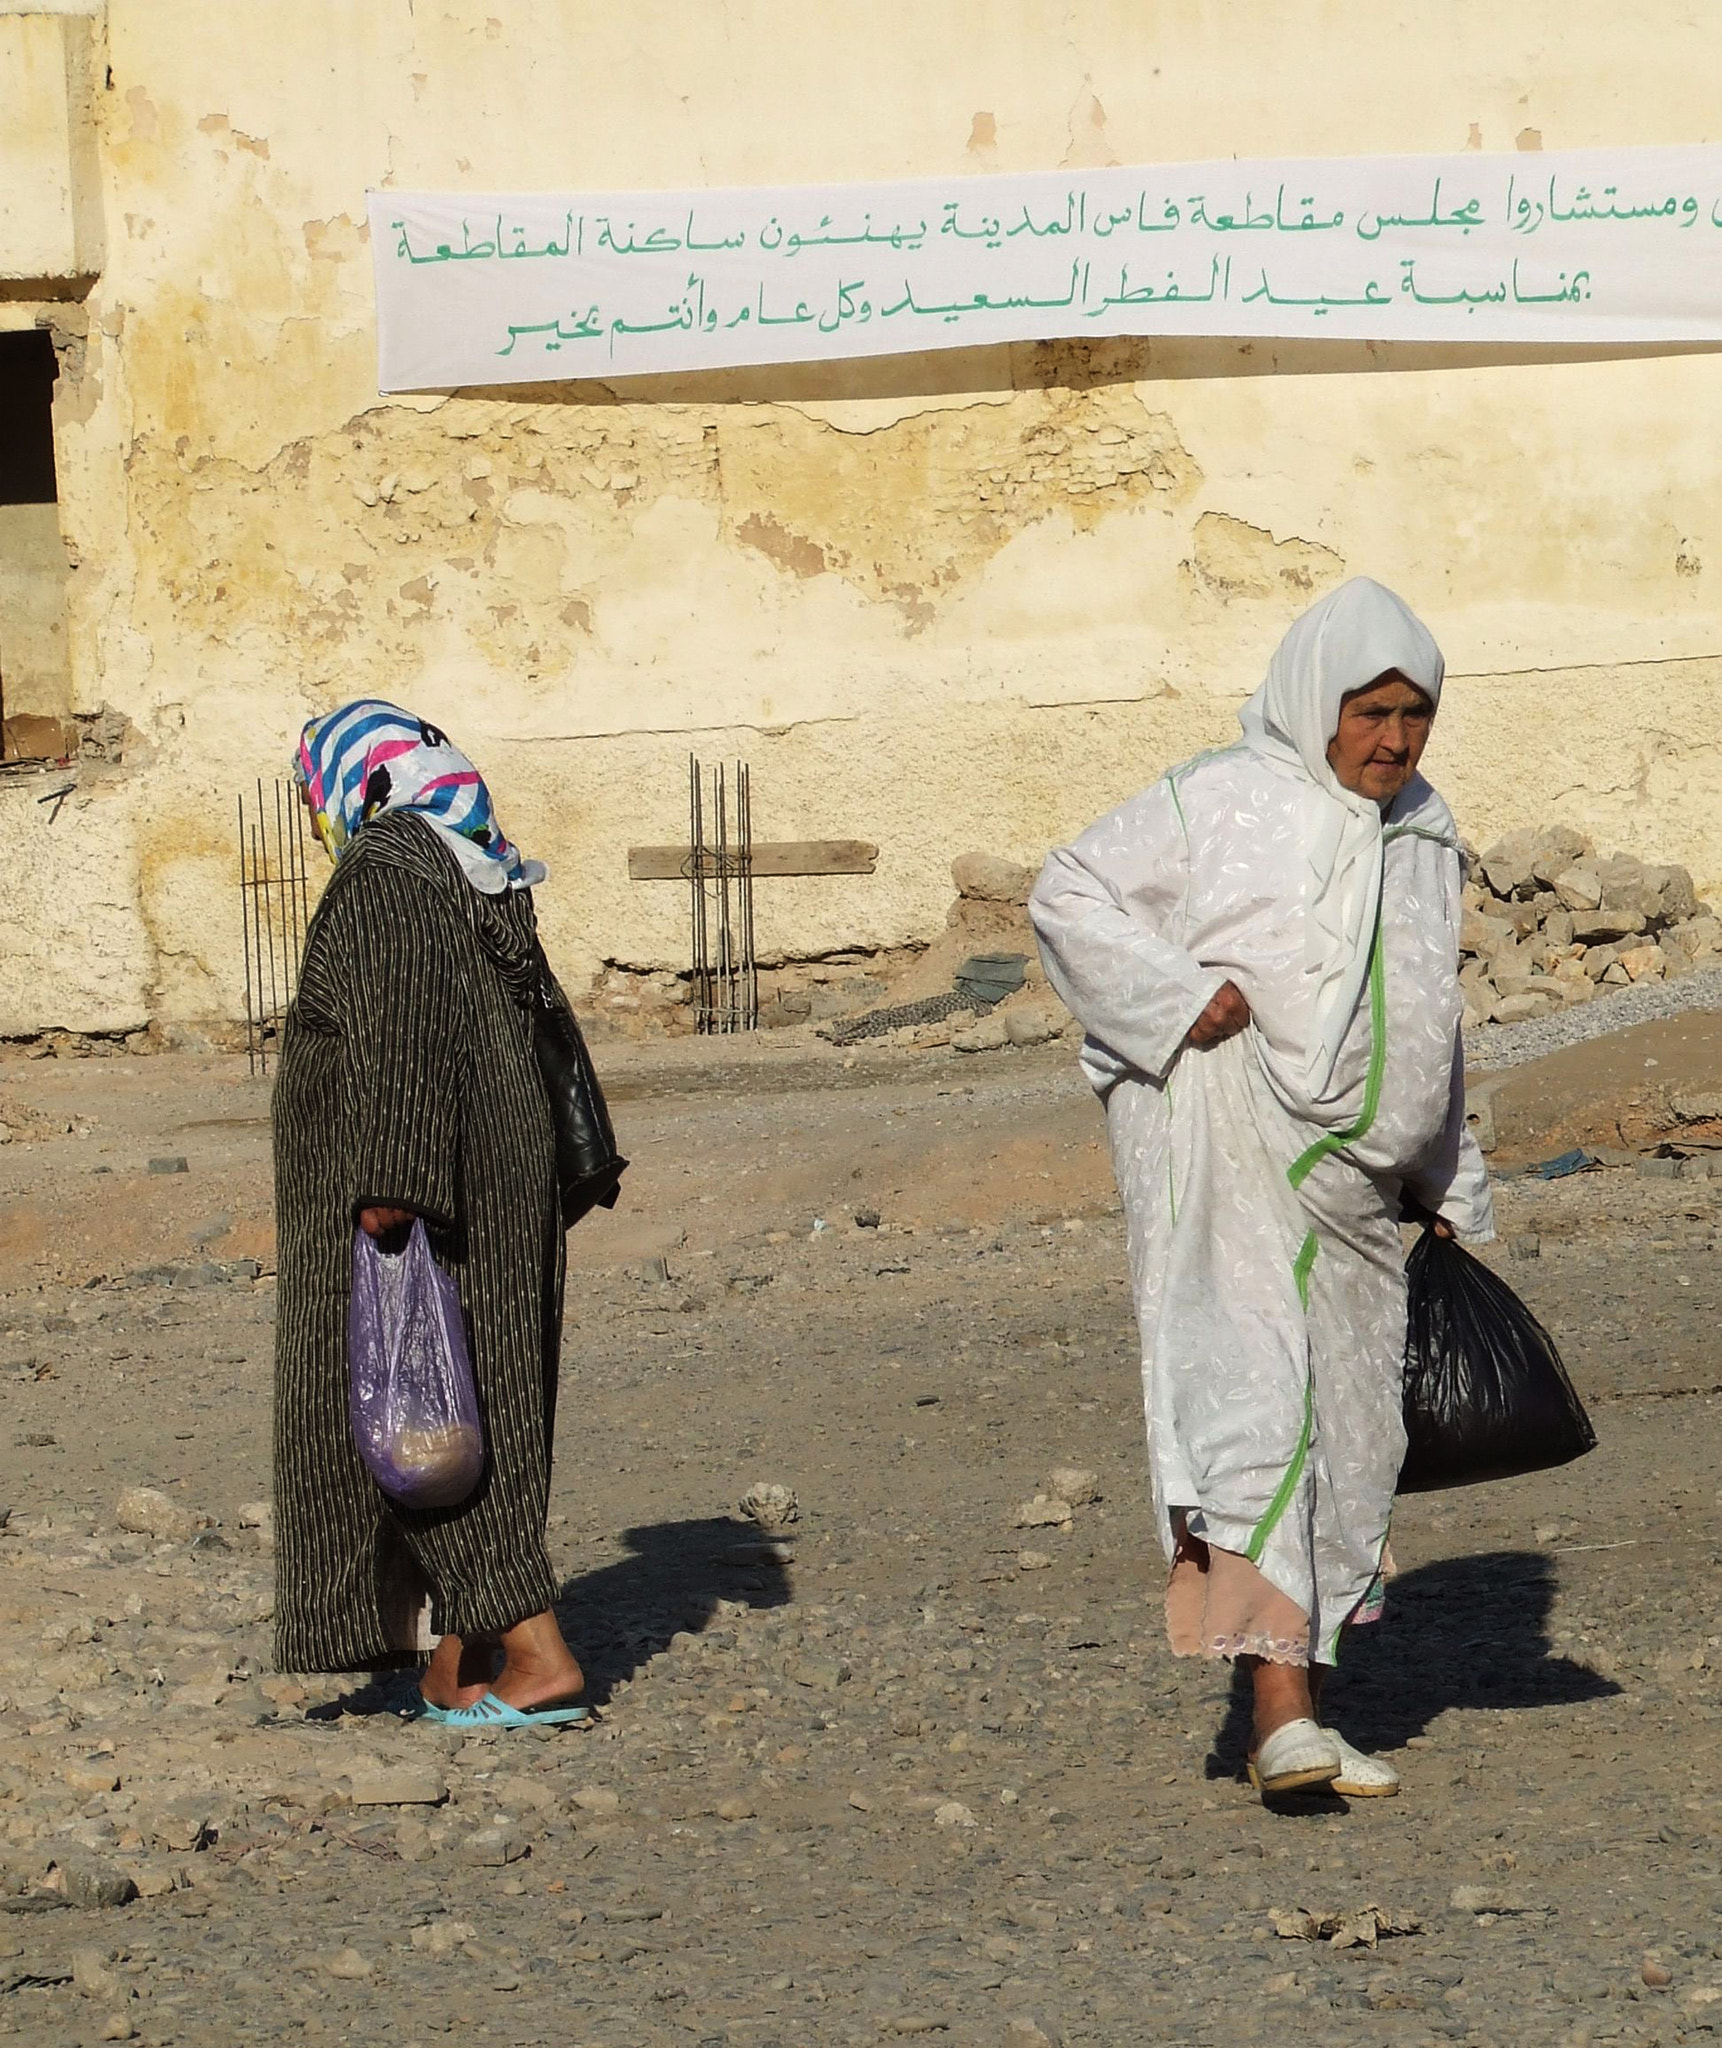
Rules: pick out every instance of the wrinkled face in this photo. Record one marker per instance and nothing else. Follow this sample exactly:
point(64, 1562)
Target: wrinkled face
point(1383, 729)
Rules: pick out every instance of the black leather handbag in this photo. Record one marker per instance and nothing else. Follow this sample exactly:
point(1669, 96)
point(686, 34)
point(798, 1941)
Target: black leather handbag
point(589, 1168)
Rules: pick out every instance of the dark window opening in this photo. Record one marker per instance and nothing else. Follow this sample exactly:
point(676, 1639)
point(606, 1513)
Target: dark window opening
point(27, 373)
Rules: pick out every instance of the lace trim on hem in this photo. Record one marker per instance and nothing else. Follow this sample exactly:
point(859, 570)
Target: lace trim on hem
point(1271, 1649)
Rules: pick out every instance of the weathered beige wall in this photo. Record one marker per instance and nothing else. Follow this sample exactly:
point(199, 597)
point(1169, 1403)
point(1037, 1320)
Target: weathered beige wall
point(34, 677)
point(937, 602)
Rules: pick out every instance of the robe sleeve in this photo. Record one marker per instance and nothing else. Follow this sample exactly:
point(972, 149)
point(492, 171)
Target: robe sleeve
point(1107, 912)
point(401, 1040)
point(1453, 1182)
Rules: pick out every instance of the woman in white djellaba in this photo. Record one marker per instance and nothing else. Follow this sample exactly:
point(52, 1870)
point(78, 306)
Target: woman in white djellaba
point(1263, 950)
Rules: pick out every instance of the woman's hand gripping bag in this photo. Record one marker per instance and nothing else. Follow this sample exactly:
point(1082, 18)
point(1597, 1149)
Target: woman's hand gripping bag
point(1486, 1395)
point(410, 1390)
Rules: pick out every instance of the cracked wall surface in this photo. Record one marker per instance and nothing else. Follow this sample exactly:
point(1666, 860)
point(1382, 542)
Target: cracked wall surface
point(945, 602)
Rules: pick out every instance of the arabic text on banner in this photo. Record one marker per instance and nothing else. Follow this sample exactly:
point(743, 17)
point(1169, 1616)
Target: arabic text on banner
point(1613, 246)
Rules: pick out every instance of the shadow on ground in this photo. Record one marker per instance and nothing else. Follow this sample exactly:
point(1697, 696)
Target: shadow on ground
point(1464, 1632)
point(621, 1616)
point(618, 1618)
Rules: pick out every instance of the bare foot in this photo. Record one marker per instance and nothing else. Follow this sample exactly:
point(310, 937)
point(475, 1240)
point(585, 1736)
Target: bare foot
point(538, 1667)
point(459, 1672)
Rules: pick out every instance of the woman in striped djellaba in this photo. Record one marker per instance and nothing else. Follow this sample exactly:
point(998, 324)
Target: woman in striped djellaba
point(408, 1089)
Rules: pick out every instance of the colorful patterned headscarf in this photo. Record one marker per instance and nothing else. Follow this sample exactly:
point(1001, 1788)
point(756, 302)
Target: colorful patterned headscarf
point(369, 757)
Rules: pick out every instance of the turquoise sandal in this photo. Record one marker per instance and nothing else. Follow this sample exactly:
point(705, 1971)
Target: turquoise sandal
point(491, 1712)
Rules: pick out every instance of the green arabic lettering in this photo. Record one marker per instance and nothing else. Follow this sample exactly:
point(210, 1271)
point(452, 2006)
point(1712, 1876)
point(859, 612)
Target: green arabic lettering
point(799, 318)
point(844, 309)
point(1148, 294)
point(988, 231)
point(659, 241)
point(1586, 207)
point(1371, 296)
point(1465, 217)
point(588, 328)
point(1571, 291)
point(1309, 223)
point(1464, 296)
point(469, 250)
point(1226, 223)
point(983, 302)
point(538, 327)
point(705, 248)
point(1171, 216)
point(1519, 215)
point(1075, 219)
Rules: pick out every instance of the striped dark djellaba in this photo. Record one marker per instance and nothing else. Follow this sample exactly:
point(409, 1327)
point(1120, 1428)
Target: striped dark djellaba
point(407, 1079)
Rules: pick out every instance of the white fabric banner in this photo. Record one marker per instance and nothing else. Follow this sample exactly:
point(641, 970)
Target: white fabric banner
point(1615, 246)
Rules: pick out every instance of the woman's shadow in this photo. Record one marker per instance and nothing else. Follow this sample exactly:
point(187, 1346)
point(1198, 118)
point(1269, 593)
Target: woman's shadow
point(620, 1616)
point(1464, 1632)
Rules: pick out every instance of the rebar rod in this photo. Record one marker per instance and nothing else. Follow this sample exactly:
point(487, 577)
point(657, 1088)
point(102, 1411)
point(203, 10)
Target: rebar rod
point(301, 835)
point(289, 915)
point(702, 933)
point(725, 967)
point(245, 934)
point(260, 865)
point(750, 958)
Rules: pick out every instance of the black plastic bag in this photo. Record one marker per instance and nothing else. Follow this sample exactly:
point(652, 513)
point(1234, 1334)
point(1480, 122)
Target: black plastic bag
point(589, 1168)
point(1486, 1395)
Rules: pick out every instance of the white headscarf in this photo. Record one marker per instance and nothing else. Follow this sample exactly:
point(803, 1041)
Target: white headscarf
point(1344, 642)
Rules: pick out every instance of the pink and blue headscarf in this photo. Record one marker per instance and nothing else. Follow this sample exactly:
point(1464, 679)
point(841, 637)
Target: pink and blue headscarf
point(369, 757)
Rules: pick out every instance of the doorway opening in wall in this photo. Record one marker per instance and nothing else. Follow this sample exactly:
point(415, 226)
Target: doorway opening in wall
point(35, 677)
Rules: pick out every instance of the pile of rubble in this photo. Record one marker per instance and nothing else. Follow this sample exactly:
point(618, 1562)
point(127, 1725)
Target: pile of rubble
point(1548, 923)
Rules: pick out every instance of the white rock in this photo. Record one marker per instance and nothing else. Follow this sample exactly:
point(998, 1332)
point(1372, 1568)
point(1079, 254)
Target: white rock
point(1579, 889)
point(442, 1937)
point(953, 1814)
point(1042, 1513)
point(1032, 1561)
point(347, 1962)
point(257, 1514)
point(985, 878)
point(1074, 1484)
point(1033, 1026)
point(94, 1975)
point(1644, 963)
point(771, 1506)
point(987, 1036)
point(398, 1785)
point(147, 1511)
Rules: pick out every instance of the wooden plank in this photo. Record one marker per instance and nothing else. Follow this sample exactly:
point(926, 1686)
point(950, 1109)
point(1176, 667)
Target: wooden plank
point(770, 857)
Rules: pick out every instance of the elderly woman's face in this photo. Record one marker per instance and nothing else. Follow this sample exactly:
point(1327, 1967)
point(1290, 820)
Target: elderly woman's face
point(1383, 729)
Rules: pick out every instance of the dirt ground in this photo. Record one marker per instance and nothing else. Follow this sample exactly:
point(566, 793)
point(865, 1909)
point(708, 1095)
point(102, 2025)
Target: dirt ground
point(914, 1770)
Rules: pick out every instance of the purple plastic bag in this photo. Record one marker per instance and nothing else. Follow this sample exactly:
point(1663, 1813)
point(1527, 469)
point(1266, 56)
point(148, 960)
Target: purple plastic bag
point(410, 1390)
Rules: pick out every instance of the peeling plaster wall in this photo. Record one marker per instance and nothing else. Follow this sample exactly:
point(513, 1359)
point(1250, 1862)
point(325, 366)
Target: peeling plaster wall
point(937, 602)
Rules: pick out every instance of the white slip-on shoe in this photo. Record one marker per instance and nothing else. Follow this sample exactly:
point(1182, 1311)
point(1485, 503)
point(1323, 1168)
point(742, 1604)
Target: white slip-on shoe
point(1296, 1755)
point(1360, 1776)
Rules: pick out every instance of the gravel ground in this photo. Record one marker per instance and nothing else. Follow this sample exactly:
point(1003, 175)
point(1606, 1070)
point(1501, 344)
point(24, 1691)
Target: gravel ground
point(1491, 1046)
point(916, 1771)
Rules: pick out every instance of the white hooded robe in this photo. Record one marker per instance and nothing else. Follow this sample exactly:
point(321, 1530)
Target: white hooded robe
point(1261, 1178)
